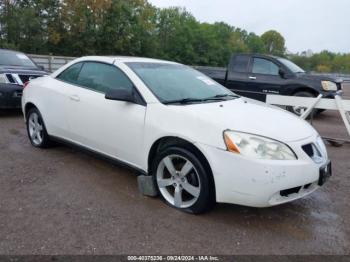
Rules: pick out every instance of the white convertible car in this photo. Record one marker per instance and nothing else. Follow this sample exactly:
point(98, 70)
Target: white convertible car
point(200, 142)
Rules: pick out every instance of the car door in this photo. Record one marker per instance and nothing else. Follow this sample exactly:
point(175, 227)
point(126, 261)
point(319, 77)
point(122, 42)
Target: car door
point(237, 75)
point(114, 128)
point(264, 78)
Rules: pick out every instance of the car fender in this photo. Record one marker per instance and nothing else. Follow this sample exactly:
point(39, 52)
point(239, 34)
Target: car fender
point(33, 93)
point(162, 122)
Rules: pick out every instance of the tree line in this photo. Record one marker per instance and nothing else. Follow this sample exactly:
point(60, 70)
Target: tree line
point(137, 28)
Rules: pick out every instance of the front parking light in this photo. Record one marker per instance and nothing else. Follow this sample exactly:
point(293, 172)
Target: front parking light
point(257, 147)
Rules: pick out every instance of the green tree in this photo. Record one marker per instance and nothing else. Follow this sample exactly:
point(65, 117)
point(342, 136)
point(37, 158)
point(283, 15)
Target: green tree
point(255, 44)
point(135, 27)
point(274, 43)
point(176, 31)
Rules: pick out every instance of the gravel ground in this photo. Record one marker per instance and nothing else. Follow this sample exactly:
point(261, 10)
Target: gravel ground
point(63, 201)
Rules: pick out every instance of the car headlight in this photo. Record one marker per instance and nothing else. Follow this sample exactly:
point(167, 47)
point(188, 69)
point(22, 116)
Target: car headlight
point(329, 86)
point(258, 147)
point(3, 79)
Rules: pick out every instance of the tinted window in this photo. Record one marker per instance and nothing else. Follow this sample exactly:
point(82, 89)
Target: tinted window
point(241, 63)
point(70, 75)
point(101, 77)
point(10, 58)
point(291, 66)
point(264, 66)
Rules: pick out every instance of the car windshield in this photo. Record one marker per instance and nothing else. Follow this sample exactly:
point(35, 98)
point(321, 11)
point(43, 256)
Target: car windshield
point(10, 58)
point(175, 83)
point(291, 66)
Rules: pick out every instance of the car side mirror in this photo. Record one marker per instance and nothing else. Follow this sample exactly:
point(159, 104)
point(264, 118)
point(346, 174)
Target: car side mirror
point(282, 73)
point(120, 94)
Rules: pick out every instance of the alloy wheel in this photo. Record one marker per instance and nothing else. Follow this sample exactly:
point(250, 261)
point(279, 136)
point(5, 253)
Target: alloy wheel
point(35, 128)
point(178, 181)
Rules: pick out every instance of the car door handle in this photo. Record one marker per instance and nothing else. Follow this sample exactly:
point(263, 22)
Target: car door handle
point(75, 98)
point(252, 77)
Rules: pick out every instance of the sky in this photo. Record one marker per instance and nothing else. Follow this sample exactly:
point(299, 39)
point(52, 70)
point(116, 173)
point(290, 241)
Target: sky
point(305, 24)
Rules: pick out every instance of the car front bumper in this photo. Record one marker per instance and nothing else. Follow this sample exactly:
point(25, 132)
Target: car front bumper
point(10, 96)
point(263, 183)
point(329, 95)
point(332, 94)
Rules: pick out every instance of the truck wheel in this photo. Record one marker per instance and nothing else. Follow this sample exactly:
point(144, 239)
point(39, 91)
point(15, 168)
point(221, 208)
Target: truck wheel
point(298, 110)
point(182, 180)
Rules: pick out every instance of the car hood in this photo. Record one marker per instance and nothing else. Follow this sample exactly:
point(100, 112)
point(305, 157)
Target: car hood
point(320, 77)
point(247, 115)
point(21, 70)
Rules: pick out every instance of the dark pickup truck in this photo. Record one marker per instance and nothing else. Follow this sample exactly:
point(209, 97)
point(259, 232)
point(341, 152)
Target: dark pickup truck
point(255, 75)
point(15, 70)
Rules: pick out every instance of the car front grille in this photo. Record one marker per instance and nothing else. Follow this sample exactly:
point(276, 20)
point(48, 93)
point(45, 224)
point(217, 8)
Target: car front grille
point(26, 78)
point(315, 152)
point(290, 191)
point(11, 79)
point(20, 79)
point(308, 149)
point(296, 190)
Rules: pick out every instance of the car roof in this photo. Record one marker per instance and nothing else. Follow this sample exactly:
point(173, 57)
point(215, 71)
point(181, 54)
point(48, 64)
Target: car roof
point(110, 60)
point(125, 59)
point(258, 55)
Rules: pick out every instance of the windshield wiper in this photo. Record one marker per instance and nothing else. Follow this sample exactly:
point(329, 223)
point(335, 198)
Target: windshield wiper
point(199, 100)
point(226, 95)
point(183, 101)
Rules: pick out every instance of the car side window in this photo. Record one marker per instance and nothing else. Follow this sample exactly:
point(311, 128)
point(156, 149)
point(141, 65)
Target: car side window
point(70, 75)
point(101, 77)
point(240, 64)
point(264, 66)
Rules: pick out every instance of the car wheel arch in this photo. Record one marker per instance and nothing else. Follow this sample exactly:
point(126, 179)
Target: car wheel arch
point(172, 141)
point(305, 89)
point(27, 107)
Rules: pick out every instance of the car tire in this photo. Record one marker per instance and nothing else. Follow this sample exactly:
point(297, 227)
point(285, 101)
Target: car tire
point(36, 129)
point(182, 180)
point(298, 110)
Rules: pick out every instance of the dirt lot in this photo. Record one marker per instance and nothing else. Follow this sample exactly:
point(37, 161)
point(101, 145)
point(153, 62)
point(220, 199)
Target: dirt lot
point(63, 201)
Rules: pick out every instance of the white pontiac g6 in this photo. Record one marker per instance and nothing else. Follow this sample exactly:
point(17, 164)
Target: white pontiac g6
point(200, 142)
